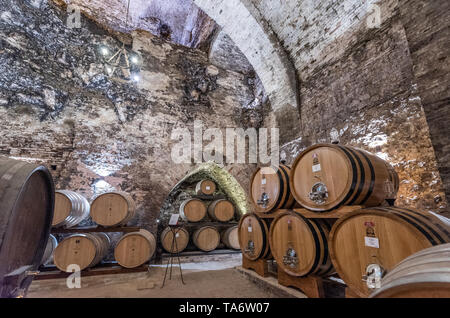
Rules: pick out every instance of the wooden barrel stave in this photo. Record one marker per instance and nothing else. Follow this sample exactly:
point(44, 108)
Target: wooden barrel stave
point(221, 210)
point(134, 249)
point(193, 210)
point(75, 212)
point(181, 240)
point(27, 198)
point(254, 237)
point(206, 238)
point(230, 237)
point(113, 209)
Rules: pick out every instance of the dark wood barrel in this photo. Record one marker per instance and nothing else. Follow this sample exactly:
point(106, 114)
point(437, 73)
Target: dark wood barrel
point(135, 249)
point(221, 210)
point(207, 187)
point(27, 199)
point(206, 238)
point(377, 239)
point(254, 236)
point(300, 245)
point(325, 177)
point(179, 244)
point(192, 210)
point(270, 189)
point(112, 209)
point(85, 250)
point(230, 237)
point(70, 209)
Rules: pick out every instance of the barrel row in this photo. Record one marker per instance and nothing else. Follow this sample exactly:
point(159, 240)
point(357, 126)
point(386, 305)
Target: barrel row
point(195, 210)
point(107, 209)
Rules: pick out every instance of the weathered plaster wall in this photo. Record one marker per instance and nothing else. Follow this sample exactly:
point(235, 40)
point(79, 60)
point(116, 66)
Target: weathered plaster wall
point(57, 106)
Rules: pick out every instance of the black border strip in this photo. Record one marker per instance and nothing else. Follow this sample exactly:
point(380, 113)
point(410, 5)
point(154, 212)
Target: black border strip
point(372, 180)
point(316, 242)
point(362, 180)
point(288, 188)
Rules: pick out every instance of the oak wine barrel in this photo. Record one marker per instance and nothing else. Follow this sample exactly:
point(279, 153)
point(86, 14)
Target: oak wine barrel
point(27, 199)
point(270, 189)
point(192, 210)
point(254, 236)
point(70, 209)
point(113, 209)
point(52, 243)
point(206, 238)
point(134, 249)
point(230, 238)
point(374, 240)
point(221, 210)
point(325, 177)
point(180, 243)
point(207, 187)
point(300, 245)
point(425, 274)
point(85, 250)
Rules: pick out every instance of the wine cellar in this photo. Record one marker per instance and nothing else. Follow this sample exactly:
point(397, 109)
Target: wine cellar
point(224, 149)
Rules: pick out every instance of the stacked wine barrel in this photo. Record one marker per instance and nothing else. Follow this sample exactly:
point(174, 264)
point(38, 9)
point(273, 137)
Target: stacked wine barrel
point(333, 213)
point(208, 221)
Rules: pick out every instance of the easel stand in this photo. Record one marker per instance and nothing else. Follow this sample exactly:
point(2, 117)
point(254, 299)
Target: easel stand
point(311, 286)
point(260, 266)
point(174, 246)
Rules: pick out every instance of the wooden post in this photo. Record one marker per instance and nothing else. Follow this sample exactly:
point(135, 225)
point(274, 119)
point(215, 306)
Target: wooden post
point(311, 286)
point(260, 266)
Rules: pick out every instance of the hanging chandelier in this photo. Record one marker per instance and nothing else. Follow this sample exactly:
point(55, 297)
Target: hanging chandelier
point(123, 63)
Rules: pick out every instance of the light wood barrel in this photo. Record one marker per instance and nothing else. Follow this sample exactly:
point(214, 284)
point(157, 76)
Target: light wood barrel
point(207, 187)
point(85, 250)
point(325, 177)
point(135, 249)
point(254, 236)
point(300, 245)
point(230, 238)
point(27, 199)
point(270, 189)
point(52, 243)
point(180, 243)
point(70, 209)
point(113, 209)
point(206, 238)
point(192, 210)
point(221, 210)
point(425, 274)
point(381, 237)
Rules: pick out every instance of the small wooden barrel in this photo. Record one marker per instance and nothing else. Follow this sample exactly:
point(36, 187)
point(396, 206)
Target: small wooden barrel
point(135, 249)
point(325, 177)
point(113, 209)
point(270, 189)
point(381, 237)
point(425, 274)
point(52, 243)
point(300, 245)
point(221, 210)
point(230, 238)
point(206, 238)
point(180, 243)
point(27, 200)
point(70, 209)
point(207, 187)
point(254, 237)
point(85, 250)
point(192, 210)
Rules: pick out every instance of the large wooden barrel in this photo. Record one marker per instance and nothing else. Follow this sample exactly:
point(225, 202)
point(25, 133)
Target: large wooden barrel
point(325, 177)
point(300, 245)
point(113, 209)
point(254, 236)
point(206, 238)
point(135, 249)
point(425, 274)
point(207, 187)
point(180, 243)
point(193, 210)
point(85, 250)
point(230, 237)
point(70, 209)
point(27, 199)
point(52, 243)
point(374, 240)
point(270, 189)
point(221, 210)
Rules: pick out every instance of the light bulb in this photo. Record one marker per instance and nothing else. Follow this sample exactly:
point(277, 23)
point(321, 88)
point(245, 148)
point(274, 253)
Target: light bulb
point(134, 59)
point(136, 77)
point(104, 51)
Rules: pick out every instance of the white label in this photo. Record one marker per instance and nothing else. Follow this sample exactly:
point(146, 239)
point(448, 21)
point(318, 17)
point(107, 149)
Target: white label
point(316, 168)
point(174, 219)
point(263, 181)
point(177, 235)
point(208, 188)
point(250, 229)
point(372, 242)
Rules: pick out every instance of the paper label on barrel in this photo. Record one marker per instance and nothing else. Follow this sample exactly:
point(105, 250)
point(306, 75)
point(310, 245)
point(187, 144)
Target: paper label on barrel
point(208, 188)
point(174, 219)
point(263, 181)
point(177, 235)
point(250, 229)
point(316, 168)
point(372, 242)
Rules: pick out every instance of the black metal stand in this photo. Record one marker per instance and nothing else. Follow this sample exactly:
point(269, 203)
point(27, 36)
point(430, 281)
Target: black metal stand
point(174, 230)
